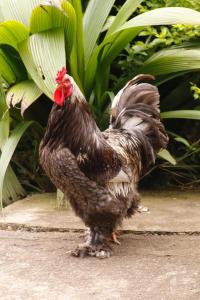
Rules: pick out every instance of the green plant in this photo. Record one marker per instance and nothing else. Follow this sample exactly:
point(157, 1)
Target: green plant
point(185, 173)
point(37, 39)
point(196, 91)
point(185, 3)
point(10, 187)
point(87, 58)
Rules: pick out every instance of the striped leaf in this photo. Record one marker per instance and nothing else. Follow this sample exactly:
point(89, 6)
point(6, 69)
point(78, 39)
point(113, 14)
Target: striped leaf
point(8, 150)
point(18, 10)
point(4, 117)
point(172, 60)
point(163, 16)
point(12, 33)
point(94, 18)
point(25, 92)
point(47, 17)
point(124, 13)
point(43, 55)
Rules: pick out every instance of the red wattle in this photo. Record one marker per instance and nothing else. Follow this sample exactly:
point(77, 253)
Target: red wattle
point(59, 97)
point(62, 92)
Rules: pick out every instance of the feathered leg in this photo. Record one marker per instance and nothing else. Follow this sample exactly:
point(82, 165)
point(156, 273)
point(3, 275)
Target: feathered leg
point(96, 245)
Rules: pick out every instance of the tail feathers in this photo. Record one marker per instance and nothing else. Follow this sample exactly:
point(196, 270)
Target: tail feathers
point(136, 91)
point(136, 108)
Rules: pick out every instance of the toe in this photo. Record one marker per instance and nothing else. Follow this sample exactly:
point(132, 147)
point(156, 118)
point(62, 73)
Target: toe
point(103, 254)
point(80, 251)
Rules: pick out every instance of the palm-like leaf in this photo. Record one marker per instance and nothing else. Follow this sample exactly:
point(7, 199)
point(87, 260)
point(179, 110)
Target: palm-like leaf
point(163, 16)
point(47, 17)
point(59, 34)
point(11, 189)
point(18, 10)
point(25, 92)
point(4, 117)
point(12, 33)
point(7, 152)
point(172, 60)
point(94, 18)
point(43, 55)
point(124, 13)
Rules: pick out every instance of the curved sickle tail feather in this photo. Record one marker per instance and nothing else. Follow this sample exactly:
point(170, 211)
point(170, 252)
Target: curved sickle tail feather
point(136, 109)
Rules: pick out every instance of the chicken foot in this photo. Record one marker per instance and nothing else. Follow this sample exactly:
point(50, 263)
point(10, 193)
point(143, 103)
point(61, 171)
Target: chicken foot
point(96, 245)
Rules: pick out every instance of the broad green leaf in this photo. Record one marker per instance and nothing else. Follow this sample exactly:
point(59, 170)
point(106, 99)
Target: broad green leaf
point(181, 114)
point(90, 72)
point(12, 189)
point(112, 46)
point(164, 154)
point(79, 47)
point(25, 92)
point(1, 16)
point(46, 17)
point(12, 68)
point(43, 55)
point(118, 44)
point(91, 67)
point(12, 33)
point(163, 16)
point(172, 60)
point(8, 150)
point(19, 10)
point(95, 16)
point(108, 23)
point(6, 69)
point(124, 13)
point(33, 70)
point(4, 117)
point(105, 53)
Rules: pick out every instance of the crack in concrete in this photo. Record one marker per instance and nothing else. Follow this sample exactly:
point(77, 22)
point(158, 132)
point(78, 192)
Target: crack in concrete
point(23, 227)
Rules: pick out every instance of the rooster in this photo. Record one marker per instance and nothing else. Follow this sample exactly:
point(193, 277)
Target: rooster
point(99, 171)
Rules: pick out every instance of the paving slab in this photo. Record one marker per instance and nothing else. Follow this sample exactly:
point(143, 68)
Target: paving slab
point(38, 266)
point(169, 211)
point(158, 259)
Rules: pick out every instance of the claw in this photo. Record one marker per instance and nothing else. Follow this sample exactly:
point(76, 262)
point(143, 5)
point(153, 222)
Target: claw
point(100, 251)
point(142, 209)
point(114, 238)
point(80, 251)
point(103, 254)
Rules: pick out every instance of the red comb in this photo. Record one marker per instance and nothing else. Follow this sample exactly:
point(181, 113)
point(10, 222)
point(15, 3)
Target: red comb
point(60, 75)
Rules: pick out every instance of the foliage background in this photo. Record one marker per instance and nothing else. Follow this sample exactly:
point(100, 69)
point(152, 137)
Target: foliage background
point(180, 93)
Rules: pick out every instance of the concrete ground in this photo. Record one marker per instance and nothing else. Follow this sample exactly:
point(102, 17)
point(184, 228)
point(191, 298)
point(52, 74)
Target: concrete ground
point(159, 257)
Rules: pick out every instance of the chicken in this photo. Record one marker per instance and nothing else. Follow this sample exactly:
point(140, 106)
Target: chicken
point(99, 171)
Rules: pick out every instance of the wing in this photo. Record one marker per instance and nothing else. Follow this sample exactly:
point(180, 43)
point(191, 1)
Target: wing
point(101, 162)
